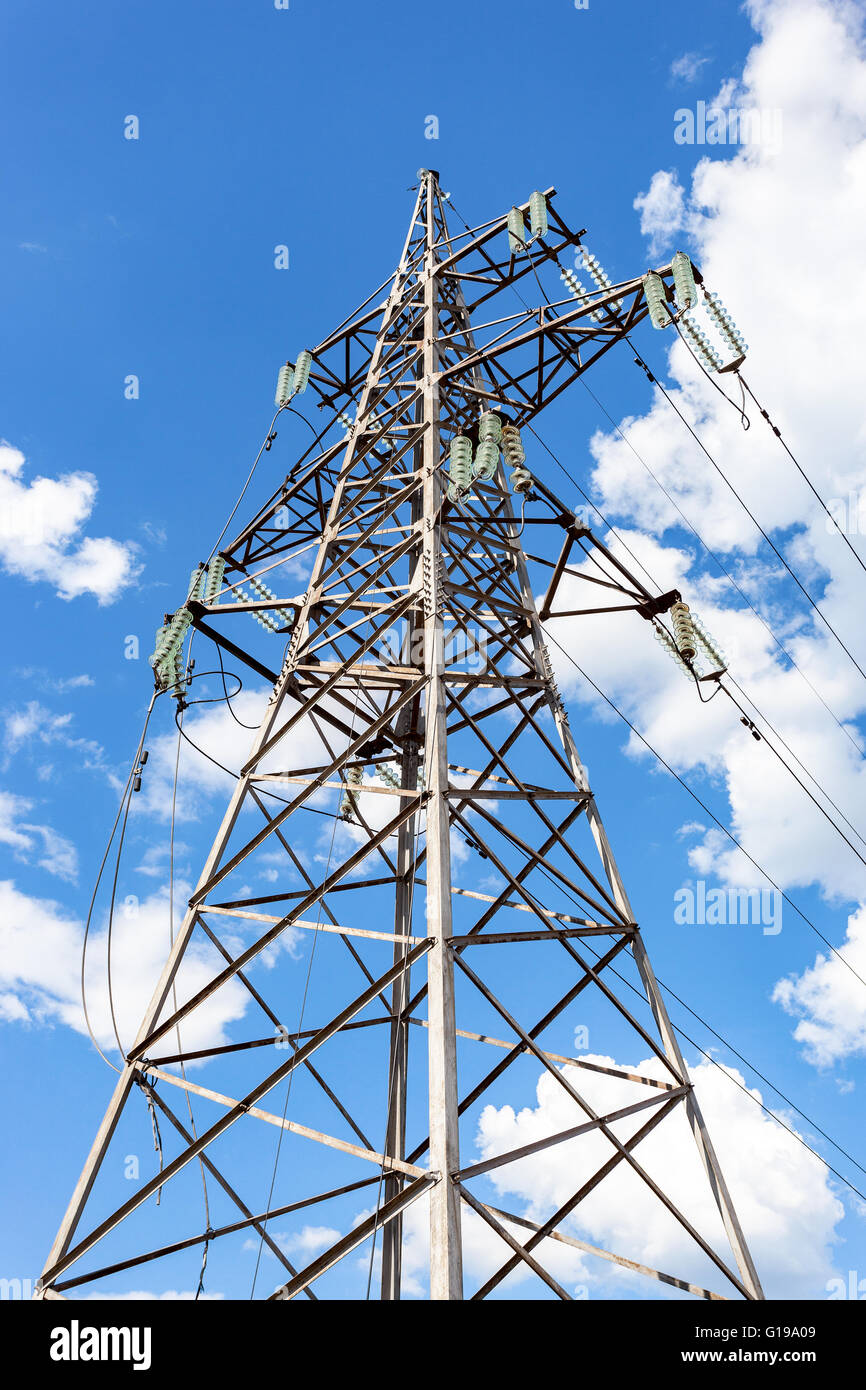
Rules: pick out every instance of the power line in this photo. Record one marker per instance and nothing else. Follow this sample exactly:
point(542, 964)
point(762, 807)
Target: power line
point(714, 557)
point(778, 433)
point(795, 756)
point(776, 551)
point(670, 499)
point(654, 582)
point(777, 754)
point(772, 728)
point(571, 478)
point(725, 1043)
point(706, 809)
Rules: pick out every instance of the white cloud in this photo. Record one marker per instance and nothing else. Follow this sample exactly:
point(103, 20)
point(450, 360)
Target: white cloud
point(688, 66)
point(33, 843)
point(12, 1009)
point(483, 1252)
point(40, 967)
point(41, 526)
point(662, 209)
point(804, 363)
point(33, 720)
point(64, 683)
point(155, 860)
point(222, 739)
point(34, 724)
point(782, 1193)
point(308, 1243)
point(828, 1000)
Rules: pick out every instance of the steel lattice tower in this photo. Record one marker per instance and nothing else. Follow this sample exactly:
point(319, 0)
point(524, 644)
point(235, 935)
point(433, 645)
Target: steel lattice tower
point(454, 737)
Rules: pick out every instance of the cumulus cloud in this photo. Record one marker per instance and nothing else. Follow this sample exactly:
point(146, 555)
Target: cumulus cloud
point(483, 1252)
point(217, 737)
point(662, 209)
point(214, 738)
point(828, 1000)
point(41, 533)
point(40, 968)
point(804, 363)
point(306, 1243)
point(782, 1193)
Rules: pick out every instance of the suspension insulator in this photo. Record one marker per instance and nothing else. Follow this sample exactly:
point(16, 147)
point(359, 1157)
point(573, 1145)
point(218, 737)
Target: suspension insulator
point(460, 461)
point(684, 281)
point(261, 589)
point(730, 332)
point(170, 637)
point(274, 618)
point(538, 215)
point(196, 583)
point(516, 231)
point(654, 294)
point(284, 385)
point(155, 661)
point(579, 291)
point(702, 345)
point(348, 803)
point(490, 426)
point(215, 571)
point(486, 459)
point(711, 647)
point(520, 480)
point(684, 632)
point(386, 774)
point(666, 641)
point(600, 276)
point(512, 446)
point(178, 683)
point(571, 281)
point(264, 619)
point(302, 372)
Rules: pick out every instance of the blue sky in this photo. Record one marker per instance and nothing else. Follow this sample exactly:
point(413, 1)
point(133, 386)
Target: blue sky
point(154, 257)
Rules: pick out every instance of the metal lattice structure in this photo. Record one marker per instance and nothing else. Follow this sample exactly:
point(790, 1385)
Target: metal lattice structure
point(430, 991)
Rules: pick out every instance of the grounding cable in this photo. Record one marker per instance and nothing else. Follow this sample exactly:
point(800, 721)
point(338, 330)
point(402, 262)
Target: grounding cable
point(123, 802)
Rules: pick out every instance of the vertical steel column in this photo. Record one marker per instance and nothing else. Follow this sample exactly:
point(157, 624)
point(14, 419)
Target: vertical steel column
point(446, 1264)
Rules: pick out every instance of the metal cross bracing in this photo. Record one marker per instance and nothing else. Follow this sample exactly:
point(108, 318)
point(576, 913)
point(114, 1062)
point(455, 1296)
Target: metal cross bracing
point(463, 907)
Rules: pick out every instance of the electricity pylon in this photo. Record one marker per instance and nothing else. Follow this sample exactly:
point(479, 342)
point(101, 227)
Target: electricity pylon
point(465, 876)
